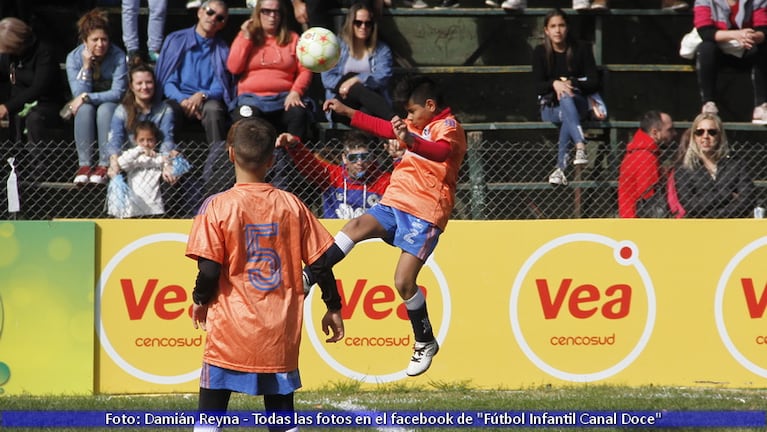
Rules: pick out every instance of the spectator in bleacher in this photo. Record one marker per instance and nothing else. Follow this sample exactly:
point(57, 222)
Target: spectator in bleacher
point(640, 168)
point(98, 78)
point(272, 82)
point(141, 102)
point(361, 77)
point(29, 65)
point(349, 189)
point(155, 29)
point(192, 73)
point(144, 168)
point(710, 182)
point(565, 74)
point(585, 4)
point(743, 24)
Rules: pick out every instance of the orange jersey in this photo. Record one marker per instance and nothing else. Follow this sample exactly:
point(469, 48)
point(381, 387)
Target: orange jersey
point(261, 236)
point(425, 188)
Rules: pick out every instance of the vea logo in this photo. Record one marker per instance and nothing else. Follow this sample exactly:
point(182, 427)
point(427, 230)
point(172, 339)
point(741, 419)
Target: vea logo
point(583, 307)
point(144, 314)
point(740, 307)
point(376, 321)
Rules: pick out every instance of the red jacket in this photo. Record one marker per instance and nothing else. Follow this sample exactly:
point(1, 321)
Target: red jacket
point(639, 170)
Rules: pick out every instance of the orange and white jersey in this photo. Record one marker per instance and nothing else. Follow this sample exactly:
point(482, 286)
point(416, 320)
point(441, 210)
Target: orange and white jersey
point(262, 237)
point(425, 188)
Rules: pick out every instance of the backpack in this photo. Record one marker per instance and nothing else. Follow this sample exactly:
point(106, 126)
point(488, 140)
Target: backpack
point(664, 202)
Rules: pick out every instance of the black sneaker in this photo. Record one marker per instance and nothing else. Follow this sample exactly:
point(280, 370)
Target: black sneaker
point(447, 4)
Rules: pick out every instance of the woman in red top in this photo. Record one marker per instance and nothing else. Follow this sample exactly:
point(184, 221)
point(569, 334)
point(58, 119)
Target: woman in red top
point(271, 81)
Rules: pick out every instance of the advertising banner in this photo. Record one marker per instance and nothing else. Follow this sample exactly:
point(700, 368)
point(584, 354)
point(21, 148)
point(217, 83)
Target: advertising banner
point(512, 303)
point(47, 272)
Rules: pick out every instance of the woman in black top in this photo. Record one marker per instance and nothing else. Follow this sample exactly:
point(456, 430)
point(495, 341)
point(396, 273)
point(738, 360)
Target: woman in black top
point(565, 74)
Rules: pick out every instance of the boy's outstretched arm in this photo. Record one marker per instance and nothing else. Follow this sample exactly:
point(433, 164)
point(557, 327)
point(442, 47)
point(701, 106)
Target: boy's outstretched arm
point(368, 123)
point(332, 321)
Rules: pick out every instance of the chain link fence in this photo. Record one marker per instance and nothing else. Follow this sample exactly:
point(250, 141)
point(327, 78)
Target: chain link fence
point(500, 179)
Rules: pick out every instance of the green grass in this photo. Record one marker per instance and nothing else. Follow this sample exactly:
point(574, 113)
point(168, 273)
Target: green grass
point(436, 396)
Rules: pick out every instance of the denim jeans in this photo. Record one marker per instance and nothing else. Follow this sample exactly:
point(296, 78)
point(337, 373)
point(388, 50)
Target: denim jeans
point(568, 116)
point(155, 25)
point(92, 124)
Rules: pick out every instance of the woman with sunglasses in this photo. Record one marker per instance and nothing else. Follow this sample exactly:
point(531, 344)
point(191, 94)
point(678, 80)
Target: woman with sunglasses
point(361, 77)
point(710, 182)
point(272, 83)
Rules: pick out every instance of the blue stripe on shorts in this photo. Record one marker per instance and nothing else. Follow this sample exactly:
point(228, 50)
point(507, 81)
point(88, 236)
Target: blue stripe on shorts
point(407, 232)
point(252, 383)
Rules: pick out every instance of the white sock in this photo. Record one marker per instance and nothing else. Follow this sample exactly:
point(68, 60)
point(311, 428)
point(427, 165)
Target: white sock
point(344, 242)
point(415, 302)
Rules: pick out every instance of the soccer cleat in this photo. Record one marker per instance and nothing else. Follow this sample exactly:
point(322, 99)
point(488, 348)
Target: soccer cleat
point(558, 177)
point(709, 108)
point(99, 175)
point(760, 114)
point(81, 177)
point(423, 352)
point(580, 157)
point(514, 4)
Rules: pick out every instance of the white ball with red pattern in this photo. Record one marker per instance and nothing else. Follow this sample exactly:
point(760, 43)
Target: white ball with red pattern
point(318, 49)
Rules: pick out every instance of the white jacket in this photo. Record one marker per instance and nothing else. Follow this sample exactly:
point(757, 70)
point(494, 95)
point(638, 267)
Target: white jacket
point(144, 175)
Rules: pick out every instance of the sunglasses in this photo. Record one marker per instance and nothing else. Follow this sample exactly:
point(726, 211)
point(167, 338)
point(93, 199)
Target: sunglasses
point(357, 157)
point(209, 11)
point(361, 23)
point(270, 12)
point(711, 132)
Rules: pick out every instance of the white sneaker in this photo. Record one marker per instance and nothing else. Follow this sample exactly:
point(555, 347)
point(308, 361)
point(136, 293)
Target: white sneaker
point(514, 4)
point(423, 352)
point(760, 114)
point(194, 4)
point(580, 157)
point(492, 3)
point(709, 108)
point(581, 4)
point(558, 177)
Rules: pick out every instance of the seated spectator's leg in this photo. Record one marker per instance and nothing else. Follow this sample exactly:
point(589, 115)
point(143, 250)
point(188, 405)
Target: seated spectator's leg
point(318, 11)
point(44, 156)
point(707, 66)
point(370, 101)
point(129, 15)
point(156, 27)
point(218, 172)
point(85, 134)
point(571, 110)
point(104, 114)
point(295, 121)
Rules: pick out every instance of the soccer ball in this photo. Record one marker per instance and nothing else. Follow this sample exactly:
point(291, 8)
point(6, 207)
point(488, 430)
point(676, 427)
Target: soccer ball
point(318, 49)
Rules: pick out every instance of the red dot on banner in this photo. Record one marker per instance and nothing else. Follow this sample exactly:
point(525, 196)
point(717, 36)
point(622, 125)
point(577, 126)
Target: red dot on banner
point(626, 252)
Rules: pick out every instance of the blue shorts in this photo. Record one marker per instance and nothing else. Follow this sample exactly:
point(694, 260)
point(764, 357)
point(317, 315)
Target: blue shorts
point(252, 383)
point(407, 232)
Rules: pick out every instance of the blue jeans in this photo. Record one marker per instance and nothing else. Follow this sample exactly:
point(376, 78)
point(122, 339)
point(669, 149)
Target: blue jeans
point(155, 25)
point(568, 116)
point(92, 123)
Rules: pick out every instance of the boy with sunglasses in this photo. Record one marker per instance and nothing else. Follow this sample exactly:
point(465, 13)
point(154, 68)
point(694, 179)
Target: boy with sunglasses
point(417, 204)
point(348, 190)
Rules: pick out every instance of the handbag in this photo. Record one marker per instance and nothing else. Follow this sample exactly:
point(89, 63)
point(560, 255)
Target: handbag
point(691, 41)
point(664, 202)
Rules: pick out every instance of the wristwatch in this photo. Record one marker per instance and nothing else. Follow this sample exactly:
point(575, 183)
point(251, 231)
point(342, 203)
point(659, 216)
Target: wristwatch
point(86, 98)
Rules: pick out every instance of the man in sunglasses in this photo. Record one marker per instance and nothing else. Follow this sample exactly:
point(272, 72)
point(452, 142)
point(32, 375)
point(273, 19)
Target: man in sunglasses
point(348, 190)
point(640, 168)
point(192, 73)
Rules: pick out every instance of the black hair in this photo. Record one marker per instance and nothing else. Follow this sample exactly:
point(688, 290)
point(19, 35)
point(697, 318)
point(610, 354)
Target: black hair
point(651, 119)
point(150, 126)
point(418, 90)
